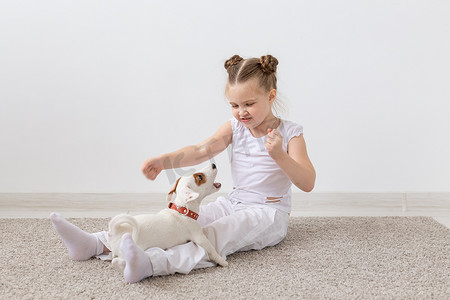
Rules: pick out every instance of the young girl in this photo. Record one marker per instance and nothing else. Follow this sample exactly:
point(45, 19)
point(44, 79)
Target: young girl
point(268, 155)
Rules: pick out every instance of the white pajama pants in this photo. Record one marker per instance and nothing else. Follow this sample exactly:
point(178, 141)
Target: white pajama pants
point(230, 226)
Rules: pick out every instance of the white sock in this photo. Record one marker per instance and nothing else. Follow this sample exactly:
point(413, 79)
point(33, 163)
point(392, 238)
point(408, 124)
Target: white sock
point(81, 244)
point(138, 265)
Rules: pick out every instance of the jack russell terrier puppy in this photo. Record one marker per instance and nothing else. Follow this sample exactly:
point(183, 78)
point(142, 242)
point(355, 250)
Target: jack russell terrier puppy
point(172, 226)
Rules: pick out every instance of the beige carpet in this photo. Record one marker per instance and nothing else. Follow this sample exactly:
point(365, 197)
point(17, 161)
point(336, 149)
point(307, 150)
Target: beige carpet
point(343, 258)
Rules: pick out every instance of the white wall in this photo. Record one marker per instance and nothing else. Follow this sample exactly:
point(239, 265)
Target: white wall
point(89, 89)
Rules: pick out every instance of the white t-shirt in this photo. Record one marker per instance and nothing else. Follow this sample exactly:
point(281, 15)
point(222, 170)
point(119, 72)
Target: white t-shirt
point(257, 178)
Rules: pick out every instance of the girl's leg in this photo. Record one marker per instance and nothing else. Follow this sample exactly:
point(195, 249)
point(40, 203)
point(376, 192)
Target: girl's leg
point(80, 244)
point(138, 265)
point(197, 256)
point(215, 210)
point(246, 229)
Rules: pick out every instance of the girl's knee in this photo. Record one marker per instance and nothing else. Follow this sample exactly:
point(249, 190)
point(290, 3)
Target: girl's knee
point(214, 211)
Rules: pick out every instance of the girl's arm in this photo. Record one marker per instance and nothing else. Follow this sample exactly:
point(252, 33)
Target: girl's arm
point(295, 163)
point(189, 155)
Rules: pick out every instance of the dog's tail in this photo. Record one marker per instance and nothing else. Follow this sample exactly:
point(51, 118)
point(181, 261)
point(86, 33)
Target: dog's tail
point(124, 223)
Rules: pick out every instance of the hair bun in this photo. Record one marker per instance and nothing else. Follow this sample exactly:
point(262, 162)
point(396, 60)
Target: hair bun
point(234, 60)
point(268, 64)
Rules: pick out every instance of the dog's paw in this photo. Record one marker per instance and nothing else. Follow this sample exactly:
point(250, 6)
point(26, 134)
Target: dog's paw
point(223, 263)
point(119, 264)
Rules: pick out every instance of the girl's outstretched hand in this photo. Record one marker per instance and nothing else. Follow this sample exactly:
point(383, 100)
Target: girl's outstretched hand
point(152, 167)
point(274, 142)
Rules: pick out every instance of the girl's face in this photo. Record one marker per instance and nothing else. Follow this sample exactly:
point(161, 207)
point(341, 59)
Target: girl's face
point(251, 105)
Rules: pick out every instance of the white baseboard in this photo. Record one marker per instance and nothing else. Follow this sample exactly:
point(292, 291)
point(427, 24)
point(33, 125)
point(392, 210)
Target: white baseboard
point(303, 204)
point(407, 204)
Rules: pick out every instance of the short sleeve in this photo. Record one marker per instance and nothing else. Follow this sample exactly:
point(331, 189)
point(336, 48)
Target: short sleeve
point(293, 130)
point(296, 131)
point(289, 131)
point(235, 125)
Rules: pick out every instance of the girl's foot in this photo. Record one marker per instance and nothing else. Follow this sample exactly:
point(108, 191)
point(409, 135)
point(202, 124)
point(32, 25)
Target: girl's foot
point(81, 244)
point(138, 265)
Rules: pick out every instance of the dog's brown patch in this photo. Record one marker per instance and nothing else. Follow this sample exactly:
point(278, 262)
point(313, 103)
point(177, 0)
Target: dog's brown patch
point(200, 178)
point(174, 190)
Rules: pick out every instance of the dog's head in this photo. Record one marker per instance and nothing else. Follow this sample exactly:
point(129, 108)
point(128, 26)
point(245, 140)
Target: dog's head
point(196, 186)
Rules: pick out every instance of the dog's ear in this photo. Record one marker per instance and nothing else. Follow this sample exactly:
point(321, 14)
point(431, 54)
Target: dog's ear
point(174, 190)
point(186, 194)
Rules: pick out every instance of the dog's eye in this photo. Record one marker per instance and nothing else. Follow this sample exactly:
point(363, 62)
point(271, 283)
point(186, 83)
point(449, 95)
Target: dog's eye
point(200, 178)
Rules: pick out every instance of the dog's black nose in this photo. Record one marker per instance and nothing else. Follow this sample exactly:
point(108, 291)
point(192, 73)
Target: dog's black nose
point(214, 166)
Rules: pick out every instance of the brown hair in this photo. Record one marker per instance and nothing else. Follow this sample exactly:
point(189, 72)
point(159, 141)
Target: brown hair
point(263, 69)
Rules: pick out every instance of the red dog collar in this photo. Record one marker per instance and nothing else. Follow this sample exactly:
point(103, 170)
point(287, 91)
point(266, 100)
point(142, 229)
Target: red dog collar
point(184, 211)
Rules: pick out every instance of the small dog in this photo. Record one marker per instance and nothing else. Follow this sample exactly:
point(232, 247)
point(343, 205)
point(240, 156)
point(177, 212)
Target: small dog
point(172, 226)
